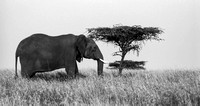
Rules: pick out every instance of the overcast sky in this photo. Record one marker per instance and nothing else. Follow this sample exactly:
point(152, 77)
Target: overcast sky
point(178, 18)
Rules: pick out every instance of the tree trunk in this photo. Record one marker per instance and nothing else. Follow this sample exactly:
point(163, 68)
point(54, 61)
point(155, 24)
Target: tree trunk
point(121, 62)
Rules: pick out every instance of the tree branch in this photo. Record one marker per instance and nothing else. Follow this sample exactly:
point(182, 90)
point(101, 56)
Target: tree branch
point(118, 53)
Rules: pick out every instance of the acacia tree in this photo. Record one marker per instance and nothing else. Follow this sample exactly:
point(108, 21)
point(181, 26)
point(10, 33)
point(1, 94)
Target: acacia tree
point(126, 37)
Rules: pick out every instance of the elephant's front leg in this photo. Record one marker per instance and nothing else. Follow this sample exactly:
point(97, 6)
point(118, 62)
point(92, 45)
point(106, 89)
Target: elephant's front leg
point(70, 68)
point(70, 64)
point(76, 70)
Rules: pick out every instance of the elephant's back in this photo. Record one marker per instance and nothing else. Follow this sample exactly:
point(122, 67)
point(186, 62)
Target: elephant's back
point(66, 39)
point(65, 36)
point(34, 42)
point(40, 36)
point(34, 38)
point(41, 41)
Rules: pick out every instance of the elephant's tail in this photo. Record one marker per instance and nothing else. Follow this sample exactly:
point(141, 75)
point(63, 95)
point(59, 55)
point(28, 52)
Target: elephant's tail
point(16, 58)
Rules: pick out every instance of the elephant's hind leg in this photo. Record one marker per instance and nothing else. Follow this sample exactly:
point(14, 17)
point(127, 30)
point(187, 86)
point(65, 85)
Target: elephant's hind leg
point(27, 73)
point(27, 70)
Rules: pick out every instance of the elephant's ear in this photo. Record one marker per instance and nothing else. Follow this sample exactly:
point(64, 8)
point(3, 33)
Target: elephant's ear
point(81, 46)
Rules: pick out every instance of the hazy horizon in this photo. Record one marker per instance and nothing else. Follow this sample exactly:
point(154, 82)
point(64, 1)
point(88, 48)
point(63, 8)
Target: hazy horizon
point(179, 20)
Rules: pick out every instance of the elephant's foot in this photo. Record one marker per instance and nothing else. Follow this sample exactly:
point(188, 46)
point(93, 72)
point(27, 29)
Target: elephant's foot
point(27, 75)
point(71, 75)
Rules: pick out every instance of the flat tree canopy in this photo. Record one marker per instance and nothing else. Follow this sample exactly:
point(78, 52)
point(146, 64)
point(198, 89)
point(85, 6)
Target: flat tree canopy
point(126, 37)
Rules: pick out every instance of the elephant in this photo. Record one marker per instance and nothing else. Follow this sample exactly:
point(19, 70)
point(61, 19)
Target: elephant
point(43, 53)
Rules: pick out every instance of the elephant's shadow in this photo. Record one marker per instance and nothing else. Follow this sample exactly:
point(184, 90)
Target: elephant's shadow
point(56, 76)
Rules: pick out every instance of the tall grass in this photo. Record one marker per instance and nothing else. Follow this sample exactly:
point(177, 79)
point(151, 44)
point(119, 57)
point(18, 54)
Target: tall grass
point(139, 88)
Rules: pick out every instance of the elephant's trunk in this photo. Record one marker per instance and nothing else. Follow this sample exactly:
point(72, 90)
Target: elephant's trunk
point(99, 62)
point(100, 67)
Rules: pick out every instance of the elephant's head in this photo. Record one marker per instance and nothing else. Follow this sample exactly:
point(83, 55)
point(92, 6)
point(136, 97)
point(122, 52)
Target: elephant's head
point(87, 48)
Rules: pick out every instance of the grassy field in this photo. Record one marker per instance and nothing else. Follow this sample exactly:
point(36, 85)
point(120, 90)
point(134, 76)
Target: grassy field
point(138, 88)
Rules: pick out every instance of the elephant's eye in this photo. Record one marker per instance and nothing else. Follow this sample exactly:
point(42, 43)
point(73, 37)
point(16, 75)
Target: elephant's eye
point(86, 44)
point(94, 49)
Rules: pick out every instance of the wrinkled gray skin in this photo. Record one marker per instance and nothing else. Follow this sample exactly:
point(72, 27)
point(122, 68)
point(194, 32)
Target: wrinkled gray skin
point(43, 53)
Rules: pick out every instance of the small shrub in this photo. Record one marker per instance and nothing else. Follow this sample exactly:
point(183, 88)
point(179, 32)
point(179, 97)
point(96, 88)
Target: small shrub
point(128, 64)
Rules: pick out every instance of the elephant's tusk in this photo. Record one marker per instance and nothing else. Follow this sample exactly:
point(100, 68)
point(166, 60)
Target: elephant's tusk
point(105, 62)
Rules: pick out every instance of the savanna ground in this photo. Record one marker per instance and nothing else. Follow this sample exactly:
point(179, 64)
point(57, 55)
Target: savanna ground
point(138, 88)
